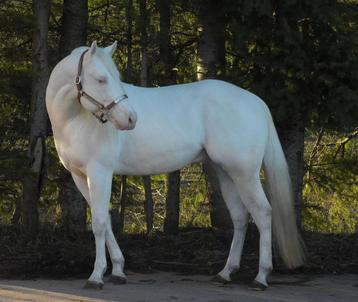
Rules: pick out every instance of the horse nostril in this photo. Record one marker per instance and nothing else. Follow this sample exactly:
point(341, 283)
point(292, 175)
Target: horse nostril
point(132, 119)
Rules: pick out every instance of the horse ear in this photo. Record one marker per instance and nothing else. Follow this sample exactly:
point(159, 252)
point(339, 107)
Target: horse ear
point(112, 48)
point(93, 48)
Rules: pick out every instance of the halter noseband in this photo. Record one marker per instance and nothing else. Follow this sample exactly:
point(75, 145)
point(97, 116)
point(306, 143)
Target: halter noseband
point(102, 113)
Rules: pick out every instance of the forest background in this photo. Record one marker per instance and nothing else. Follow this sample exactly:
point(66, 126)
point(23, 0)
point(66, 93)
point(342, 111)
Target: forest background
point(299, 56)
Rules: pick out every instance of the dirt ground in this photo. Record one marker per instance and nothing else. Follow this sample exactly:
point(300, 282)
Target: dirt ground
point(174, 268)
point(166, 286)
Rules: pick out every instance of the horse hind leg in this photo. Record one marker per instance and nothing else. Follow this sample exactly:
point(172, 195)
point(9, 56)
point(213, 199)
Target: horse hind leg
point(255, 201)
point(240, 217)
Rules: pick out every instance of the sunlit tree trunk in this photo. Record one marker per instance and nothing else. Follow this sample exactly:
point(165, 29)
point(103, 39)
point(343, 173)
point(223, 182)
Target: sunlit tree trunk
point(143, 24)
point(123, 202)
point(211, 64)
point(34, 179)
point(74, 34)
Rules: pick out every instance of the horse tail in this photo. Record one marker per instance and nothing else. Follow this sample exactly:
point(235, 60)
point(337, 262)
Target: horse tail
point(279, 190)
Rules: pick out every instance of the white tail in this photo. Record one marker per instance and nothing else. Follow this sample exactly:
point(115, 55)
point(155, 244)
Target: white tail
point(279, 190)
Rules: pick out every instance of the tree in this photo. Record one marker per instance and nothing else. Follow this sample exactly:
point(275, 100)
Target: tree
point(166, 77)
point(129, 40)
point(36, 156)
point(211, 64)
point(73, 34)
point(118, 213)
point(143, 24)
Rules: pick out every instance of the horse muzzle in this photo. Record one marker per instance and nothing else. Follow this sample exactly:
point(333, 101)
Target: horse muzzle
point(128, 124)
point(132, 120)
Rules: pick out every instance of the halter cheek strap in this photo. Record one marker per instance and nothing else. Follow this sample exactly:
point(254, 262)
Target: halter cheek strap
point(102, 112)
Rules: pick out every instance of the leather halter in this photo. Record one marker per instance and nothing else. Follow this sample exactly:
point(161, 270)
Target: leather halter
point(102, 113)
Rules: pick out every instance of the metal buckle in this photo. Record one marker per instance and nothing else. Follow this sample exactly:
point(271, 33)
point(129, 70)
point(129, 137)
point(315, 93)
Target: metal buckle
point(78, 80)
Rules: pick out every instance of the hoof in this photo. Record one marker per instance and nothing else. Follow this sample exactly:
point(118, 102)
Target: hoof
point(255, 285)
point(117, 280)
point(93, 285)
point(219, 279)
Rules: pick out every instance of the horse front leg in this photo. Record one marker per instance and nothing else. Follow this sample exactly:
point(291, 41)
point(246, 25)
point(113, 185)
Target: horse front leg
point(118, 277)
point(99, 180)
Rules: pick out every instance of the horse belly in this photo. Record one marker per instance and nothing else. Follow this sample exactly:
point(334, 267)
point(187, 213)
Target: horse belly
point(158, 160)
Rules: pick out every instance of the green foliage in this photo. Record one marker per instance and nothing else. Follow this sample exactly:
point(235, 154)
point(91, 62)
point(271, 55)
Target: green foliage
point(194, 207)
point(331, 186)
point(299, 56)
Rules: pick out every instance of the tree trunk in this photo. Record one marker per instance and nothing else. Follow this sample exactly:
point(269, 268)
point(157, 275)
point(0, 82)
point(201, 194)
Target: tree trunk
point(292, 138)
point(117, 212)
point(171, 221)
point(129, 69)
point(292, 130)
point(73, 207)
point(123, 203)
point(143, 24)
point(211, 64)
point(148, 203)
point(35, 177)
point(74, 34)
point(74, 25)
point(211, 44)
point(167, 76)
point(15, 219)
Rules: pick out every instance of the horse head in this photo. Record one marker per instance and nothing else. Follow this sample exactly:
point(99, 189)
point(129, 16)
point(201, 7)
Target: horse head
point(100, 89)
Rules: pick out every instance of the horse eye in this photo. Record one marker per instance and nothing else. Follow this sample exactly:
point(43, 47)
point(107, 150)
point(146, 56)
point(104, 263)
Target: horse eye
point(102, 80)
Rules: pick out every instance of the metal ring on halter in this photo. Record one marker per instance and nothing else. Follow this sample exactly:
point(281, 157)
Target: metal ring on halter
point(101, 116)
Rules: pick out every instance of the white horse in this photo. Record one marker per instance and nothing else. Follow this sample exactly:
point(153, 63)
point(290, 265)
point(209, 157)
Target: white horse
point(177, 125)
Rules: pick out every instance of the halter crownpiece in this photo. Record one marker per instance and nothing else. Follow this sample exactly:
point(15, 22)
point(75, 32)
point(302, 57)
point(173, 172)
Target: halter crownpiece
point(102, 113)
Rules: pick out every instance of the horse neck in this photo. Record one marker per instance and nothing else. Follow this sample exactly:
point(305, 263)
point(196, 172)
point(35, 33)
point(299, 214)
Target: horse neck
point(61, 100)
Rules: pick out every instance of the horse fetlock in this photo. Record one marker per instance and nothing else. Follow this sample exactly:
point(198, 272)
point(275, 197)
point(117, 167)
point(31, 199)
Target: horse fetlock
point(118, 268)
point(263, 274)
point(225, 274)
point(100, 267)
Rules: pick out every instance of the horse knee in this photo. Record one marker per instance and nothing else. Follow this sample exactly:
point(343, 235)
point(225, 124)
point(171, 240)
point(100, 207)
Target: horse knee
point(240, 221)
point(99, 224)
